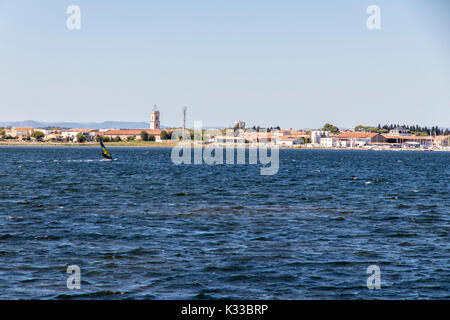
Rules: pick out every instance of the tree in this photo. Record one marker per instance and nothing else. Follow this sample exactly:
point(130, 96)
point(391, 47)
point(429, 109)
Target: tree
point(164, 135)
point(362, 128)
point(38, 135)
point(330, 127)
point(131, 138)
point(104, 139)
point(144, 135)
point(81, 138)
point(305, 140)
point(151, 138)
point(117, 139)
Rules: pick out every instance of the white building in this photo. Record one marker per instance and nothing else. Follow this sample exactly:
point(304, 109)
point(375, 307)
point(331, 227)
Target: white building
point(227, 140)
point(72, 133)
point(399, 131)
point(316, 136)
point(44, 131)
point(288, 141)
point(329, 142)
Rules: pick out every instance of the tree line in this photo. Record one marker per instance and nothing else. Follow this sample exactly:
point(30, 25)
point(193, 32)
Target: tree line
point(414, 129)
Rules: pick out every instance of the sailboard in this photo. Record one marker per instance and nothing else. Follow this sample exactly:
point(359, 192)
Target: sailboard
point(105, 152)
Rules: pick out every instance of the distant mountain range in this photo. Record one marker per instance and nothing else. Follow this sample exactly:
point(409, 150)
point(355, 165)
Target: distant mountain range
point(89, 125)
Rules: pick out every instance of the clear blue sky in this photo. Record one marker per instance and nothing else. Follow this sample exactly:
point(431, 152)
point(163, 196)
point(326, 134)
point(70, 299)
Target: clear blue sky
point(292, 63)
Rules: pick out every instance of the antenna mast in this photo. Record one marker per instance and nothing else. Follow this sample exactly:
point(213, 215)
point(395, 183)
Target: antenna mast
point(184, 109)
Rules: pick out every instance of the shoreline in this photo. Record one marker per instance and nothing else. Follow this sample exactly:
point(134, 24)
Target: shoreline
point(89, 144)
point(142, 144)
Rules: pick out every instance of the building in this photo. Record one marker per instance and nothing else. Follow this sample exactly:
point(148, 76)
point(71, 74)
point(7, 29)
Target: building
point(442, 141)
point(259, 137)
point(282, 133)
point(427, 141)
point(228, 140)
point(9, 132)
point(317, 135)
point(288, 141)
point(135, 134)
point(44, 131)
point(154, 119)
point(330, 142)
point(399, 131)
point(21, 133)
point(354, 139)
point(72, 134)
point(53, 136)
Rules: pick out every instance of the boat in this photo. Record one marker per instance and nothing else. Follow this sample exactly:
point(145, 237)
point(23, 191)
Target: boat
point(105, 153)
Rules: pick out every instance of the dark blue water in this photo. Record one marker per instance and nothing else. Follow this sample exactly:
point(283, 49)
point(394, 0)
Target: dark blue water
point(141, 227)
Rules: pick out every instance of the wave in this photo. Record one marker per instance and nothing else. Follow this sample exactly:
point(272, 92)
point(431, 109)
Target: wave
point(100, 294)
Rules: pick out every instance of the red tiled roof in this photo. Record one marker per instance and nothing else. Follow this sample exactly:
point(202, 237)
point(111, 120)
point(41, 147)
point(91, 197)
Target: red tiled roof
point(287, 138)
point(78, 130)
point(22, 128)
point(364, 135)
point(412, 137)
point(130, 132)
point(258, 134)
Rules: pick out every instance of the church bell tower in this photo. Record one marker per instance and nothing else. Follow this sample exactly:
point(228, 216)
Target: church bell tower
point(154, 119)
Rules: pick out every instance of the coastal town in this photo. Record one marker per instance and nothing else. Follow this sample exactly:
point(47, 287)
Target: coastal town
point(393, 137)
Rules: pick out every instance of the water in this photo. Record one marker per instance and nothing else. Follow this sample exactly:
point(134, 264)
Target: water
point(143, 228)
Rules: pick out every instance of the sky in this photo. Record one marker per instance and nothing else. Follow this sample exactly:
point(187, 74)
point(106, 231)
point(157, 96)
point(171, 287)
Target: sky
point(294, 64)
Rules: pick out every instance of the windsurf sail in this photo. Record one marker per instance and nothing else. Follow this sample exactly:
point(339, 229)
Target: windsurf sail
point(105, 152)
